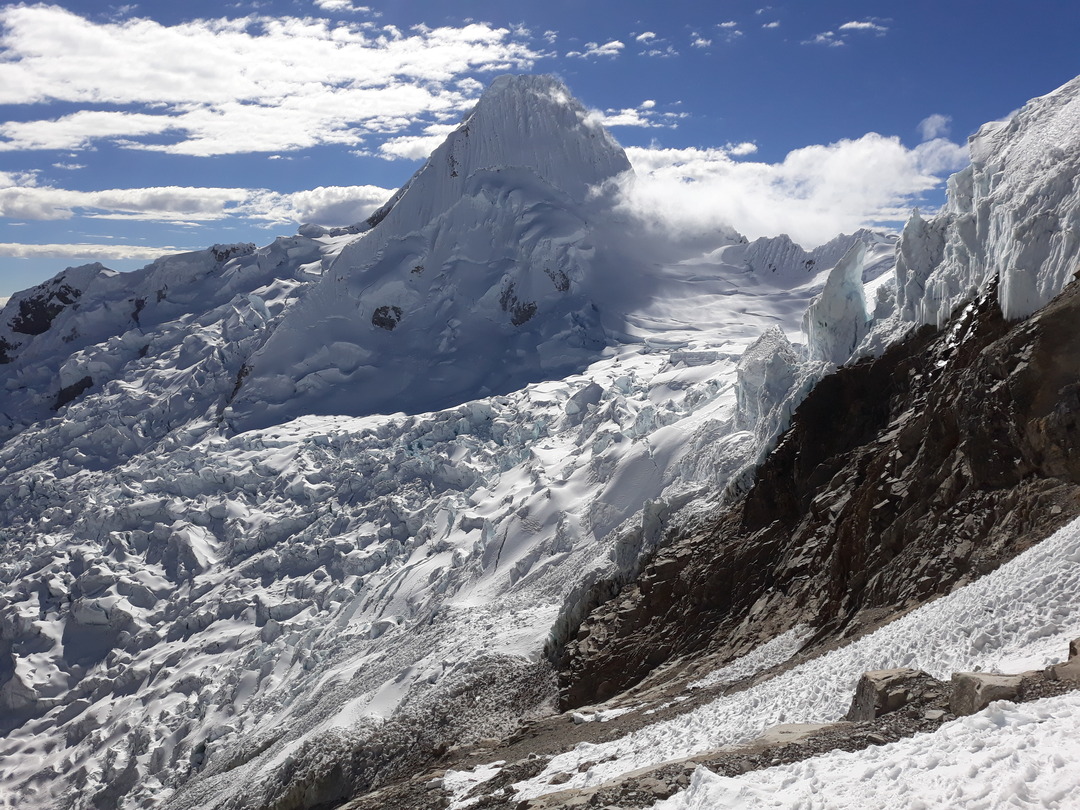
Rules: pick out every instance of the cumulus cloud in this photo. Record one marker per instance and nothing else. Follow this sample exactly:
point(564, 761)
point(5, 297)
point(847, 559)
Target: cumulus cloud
point(773, 24)
point(22, 198)
point(828, 38)
point(593, 49)
point(700, 42)
point(225, 86)
point(646, 36)
point(935, 126)
point(415, 147)
point(813, 194)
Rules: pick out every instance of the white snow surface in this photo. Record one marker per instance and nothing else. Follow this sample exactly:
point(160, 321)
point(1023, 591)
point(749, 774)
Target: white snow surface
point(1022, 616)
point(1006, 756)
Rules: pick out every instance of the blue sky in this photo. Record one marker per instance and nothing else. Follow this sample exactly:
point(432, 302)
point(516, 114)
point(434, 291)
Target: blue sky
point(128, 130)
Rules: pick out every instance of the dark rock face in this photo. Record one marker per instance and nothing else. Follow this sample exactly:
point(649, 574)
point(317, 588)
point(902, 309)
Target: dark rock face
point(900, 479)
point(36, 313)
point(69, 393)
point(386, 317)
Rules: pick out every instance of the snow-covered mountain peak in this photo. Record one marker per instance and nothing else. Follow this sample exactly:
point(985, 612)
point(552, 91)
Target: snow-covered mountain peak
point(529, 122)
point(481, 274)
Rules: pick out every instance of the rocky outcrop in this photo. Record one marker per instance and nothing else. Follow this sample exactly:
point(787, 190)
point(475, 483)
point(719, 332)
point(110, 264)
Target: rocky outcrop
point(900, 479)
point(882, 691)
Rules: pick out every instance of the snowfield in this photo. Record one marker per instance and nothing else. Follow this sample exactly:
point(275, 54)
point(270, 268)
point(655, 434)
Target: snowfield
point(1006, 756)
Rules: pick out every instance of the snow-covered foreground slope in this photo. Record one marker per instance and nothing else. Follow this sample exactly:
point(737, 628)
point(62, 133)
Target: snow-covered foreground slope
point(1021, 616)
point(1007, 756)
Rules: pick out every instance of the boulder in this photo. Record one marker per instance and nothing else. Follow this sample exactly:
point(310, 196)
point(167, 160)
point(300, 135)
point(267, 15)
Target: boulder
point(974, 691)
point(885, 690)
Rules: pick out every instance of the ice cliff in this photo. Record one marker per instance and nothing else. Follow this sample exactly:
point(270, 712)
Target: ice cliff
point(1013, 214)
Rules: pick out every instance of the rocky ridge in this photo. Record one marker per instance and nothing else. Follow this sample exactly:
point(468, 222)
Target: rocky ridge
point(959, 451)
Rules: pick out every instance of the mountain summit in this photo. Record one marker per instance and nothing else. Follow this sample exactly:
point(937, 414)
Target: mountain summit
point(480, 274)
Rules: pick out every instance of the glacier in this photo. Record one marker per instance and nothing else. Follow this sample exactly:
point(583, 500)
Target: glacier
point(260, 504)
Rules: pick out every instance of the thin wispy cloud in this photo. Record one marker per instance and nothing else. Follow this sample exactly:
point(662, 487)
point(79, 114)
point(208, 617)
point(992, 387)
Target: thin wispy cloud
point(842, 35)
point(729, 31)
point(341, 6)
point(84, 251)
point(864, 25)
point(22, 198)
point(221, 86)
point(773, 24)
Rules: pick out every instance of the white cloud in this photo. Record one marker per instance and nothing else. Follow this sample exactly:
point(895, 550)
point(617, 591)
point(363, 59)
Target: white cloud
point(339, 6)
point(834, 39)
point(935, 126)
point(215, 87)
point(773, 24)
point(70, 167)
point(664, 52)
point(21, 198)
point(741, 149)
point(644, 115)
point(828, 38)
point(700, 42)
point(864, 25)
point(415, 147)
point(593, 49)
point(646, 37)
point(729, 24)
point(89, 252)
point(813, 194)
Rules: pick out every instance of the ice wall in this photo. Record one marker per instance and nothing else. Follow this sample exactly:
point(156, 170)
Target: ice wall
point(1014, 213)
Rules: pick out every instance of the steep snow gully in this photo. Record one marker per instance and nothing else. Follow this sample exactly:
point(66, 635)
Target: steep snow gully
point(352, 516)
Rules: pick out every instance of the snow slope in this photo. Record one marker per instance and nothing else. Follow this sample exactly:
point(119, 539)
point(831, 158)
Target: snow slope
point(1020, 617)
point(1022, 756)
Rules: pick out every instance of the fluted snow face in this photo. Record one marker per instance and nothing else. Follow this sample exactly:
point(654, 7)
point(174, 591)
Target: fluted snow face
point(1014, 213)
